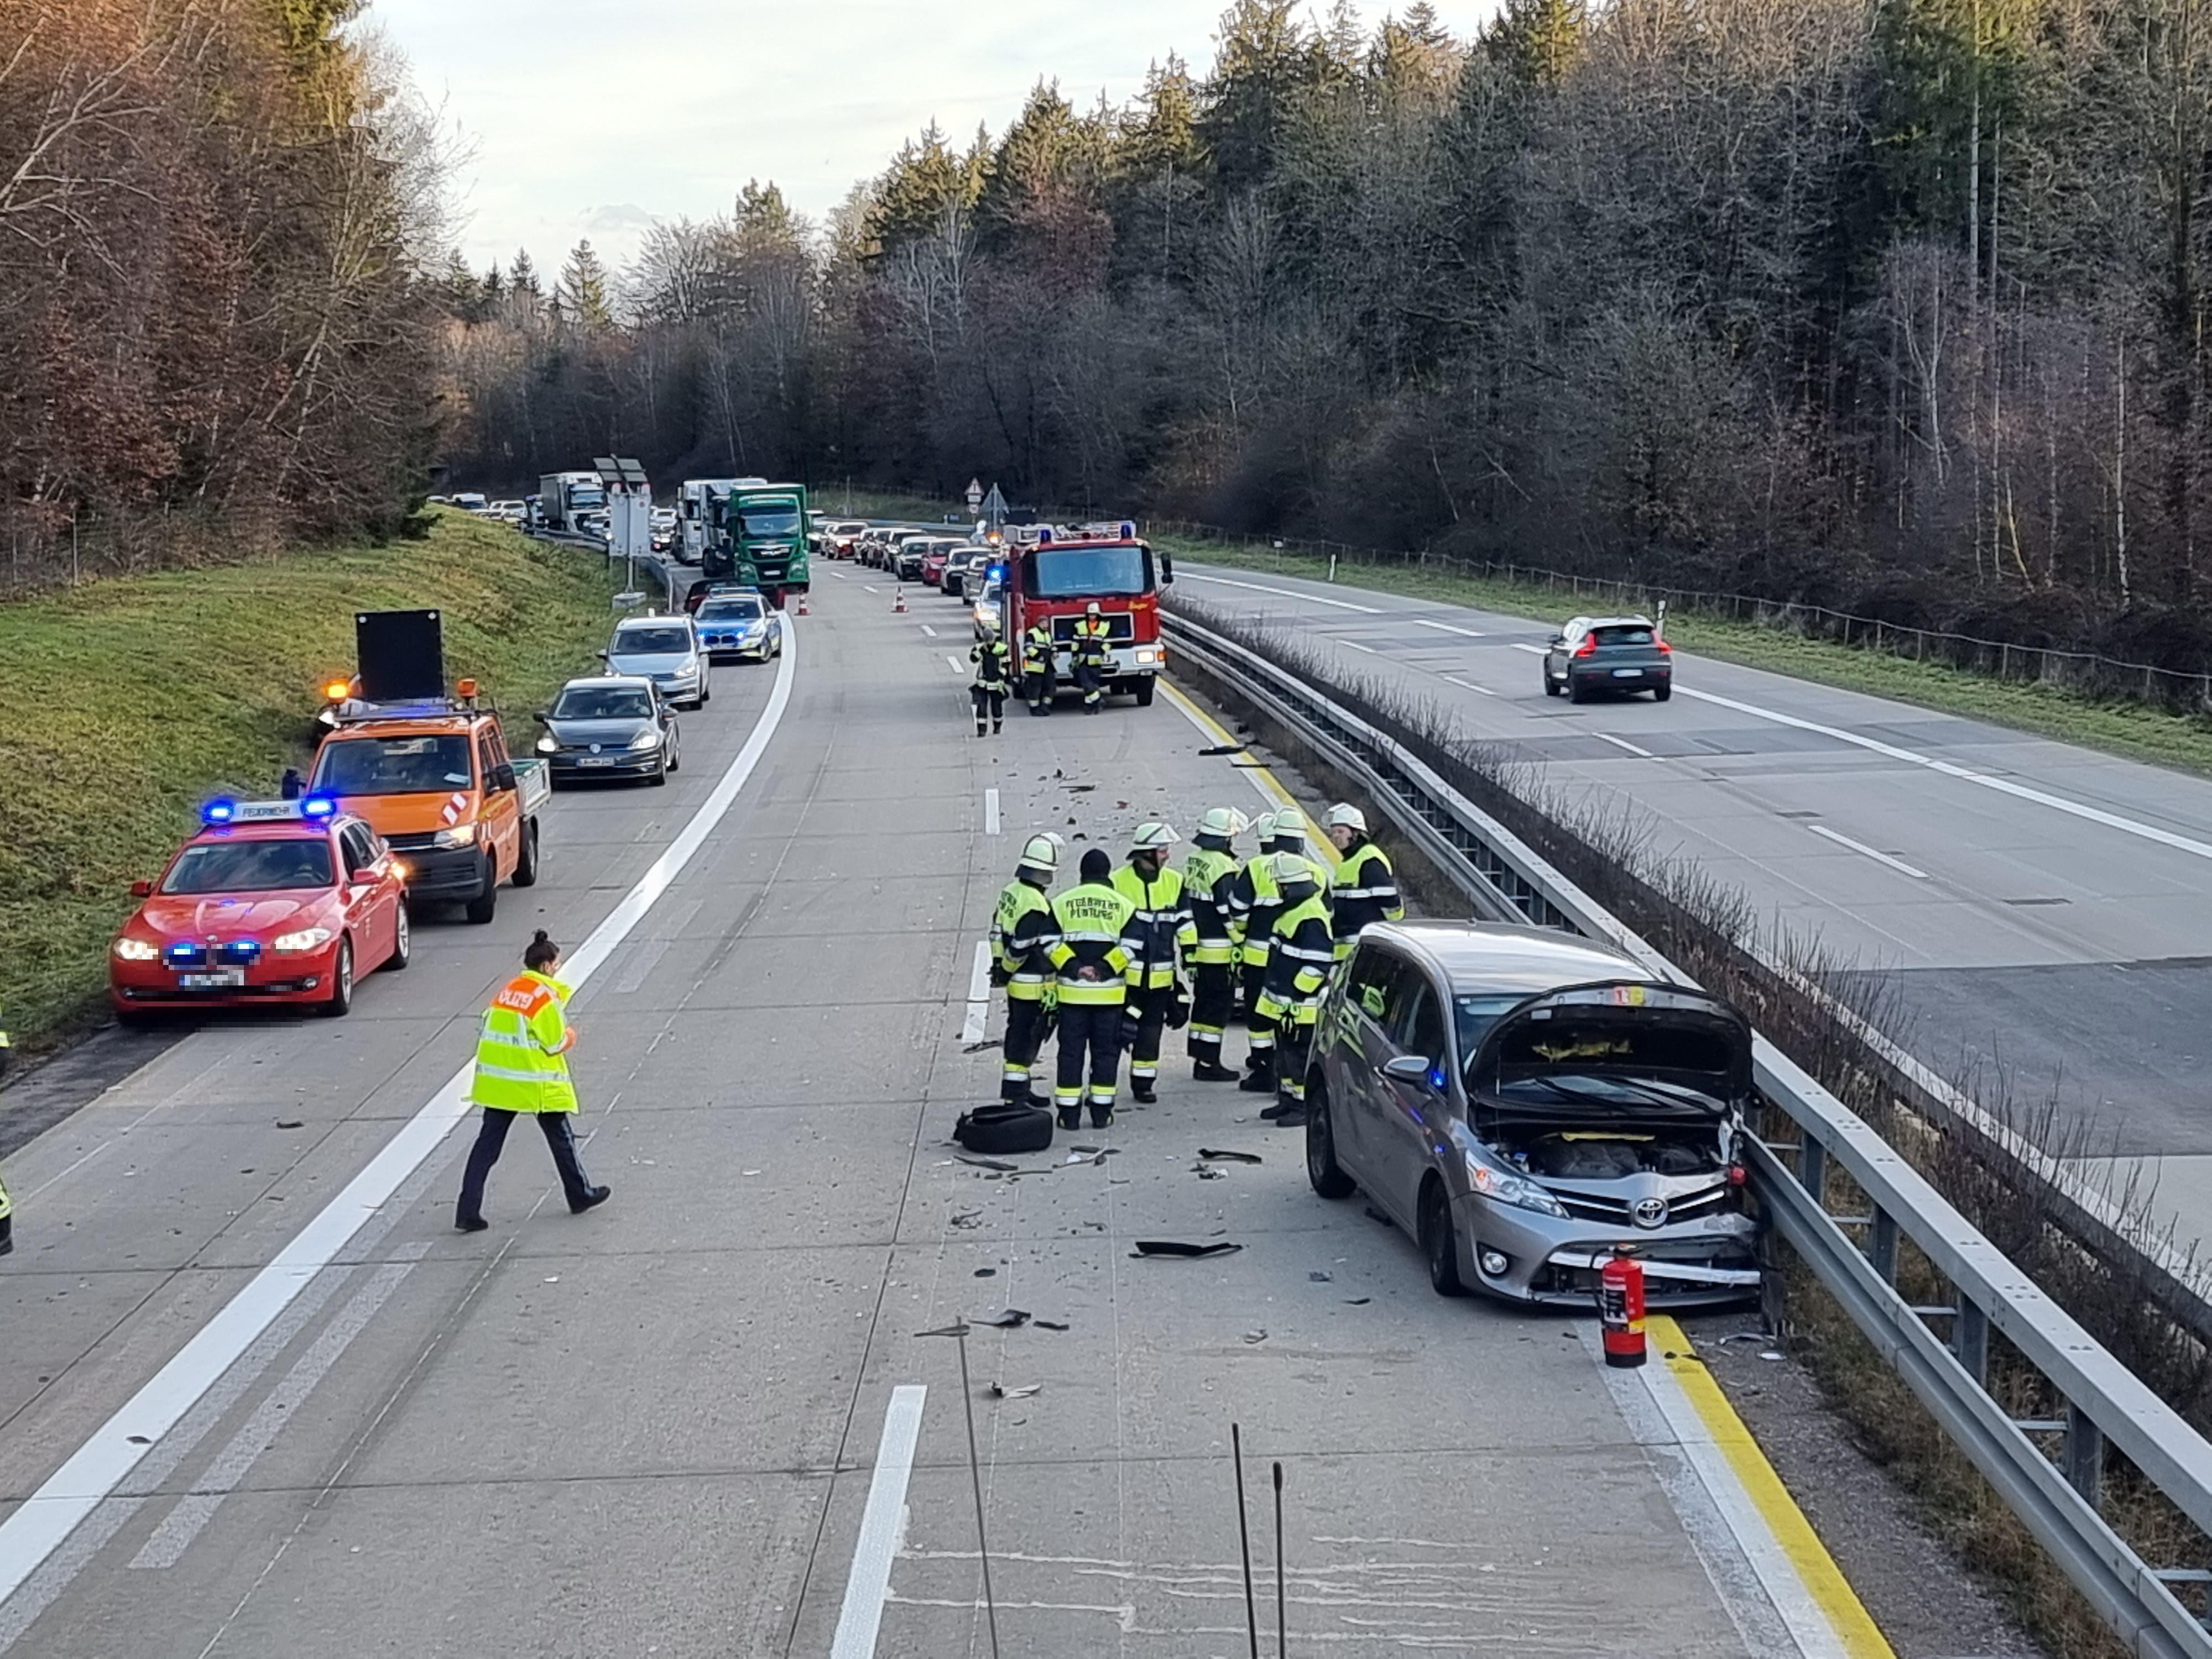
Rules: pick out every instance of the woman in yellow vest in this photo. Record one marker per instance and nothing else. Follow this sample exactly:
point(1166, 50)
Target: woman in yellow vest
point(522, 1065)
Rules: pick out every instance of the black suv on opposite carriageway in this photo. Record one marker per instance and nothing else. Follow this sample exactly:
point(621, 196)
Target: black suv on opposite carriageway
point(1590, 655)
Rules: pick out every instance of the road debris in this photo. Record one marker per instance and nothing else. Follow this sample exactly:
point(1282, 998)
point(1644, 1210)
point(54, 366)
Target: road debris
point(990, 1163)
point(986, 1272)
point(1178, 1247)
point(1255, 1338)
point(1316, 1276)
point(967, 1219)
point(290, 1123)
point(1231, 1156)
point(1049, 1324)
point(1019, 1391)
point(1222, 749)
point(1012, 1319)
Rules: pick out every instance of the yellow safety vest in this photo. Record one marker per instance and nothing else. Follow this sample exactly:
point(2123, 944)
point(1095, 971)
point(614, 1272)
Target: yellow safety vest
point(1202, 872)
point(1021, 945)
point(1091, 641)
point(1092, 919)
point(519, 1065)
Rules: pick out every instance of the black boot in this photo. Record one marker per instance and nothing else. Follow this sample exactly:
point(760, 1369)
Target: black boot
point(1142, 1091)
point(1102, 1117)
point(1071, 1118)
point(592, 1199)
point(1260, 1080)
point(1212, 1070)
point(994, 728)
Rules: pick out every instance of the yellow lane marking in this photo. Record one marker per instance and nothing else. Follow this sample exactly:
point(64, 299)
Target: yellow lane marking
point(1823, 1581)
point(1269, 782)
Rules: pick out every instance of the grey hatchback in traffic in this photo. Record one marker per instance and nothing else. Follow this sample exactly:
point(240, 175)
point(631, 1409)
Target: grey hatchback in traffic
point(1524, 1103)
point(1591, 656)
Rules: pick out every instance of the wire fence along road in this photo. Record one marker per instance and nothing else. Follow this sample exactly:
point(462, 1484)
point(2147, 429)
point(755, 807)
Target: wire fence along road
point(2083, 672)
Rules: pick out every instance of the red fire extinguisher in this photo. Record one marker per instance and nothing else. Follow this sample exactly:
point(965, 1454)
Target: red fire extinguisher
point(1620, 1310)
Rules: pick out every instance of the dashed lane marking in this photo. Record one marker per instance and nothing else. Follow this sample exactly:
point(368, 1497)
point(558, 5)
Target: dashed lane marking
point(869, 1584)
point(990, 811)
point(1466, 685)
point(979, 995)
point(1522, 645)
point(1448, 627)
point(1875, 854)
point(1356, 645)
point(1623, 743)
point(956, 665)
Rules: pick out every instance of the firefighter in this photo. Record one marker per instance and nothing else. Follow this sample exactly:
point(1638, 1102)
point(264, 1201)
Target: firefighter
point(1036, 666)
point(522, 1067)
point(988, 690)
point(1159, 926)
point(1023, 933)
point(1301, 951)
point(1091, 656)
point(1208, 874)
point(1255, 904)
point(1090, 967)
point(1364, 888)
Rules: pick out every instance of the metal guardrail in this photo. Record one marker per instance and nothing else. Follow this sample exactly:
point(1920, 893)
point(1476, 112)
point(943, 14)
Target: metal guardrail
point(2059, 1500)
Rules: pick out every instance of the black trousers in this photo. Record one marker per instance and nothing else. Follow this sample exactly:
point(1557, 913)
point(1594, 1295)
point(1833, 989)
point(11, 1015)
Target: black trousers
point(1213, 1000)
point(1036, 686)
point(1091, 680)
point(491, 1138)
point(991, 699)
point(1251, 977)
point(1091, 1030)
point(1026, 1024)
point(1293, 1043)
point(1143, 1017)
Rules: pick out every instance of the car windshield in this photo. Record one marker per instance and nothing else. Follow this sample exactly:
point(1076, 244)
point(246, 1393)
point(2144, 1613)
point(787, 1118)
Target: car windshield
point(251, 866)
point(769, 521)
point(603, 702)
point(1622, 635)
point(581, 498)
point(1074, 572)
point(1473, 1016)
point(393, 766)
point(655, 641)
point(730, 610)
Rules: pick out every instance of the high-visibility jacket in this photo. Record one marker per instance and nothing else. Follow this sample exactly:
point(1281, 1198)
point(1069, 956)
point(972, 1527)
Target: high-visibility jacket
point(522, 1063)
point(1208, 876)
point(1089, 644)
point(1363, 889)
point(1159, 924)
point(1037, 649)
point(1022, 932)
point(1092, 918)
point(989, 656)
point(1300, 953)
point(1255, 902)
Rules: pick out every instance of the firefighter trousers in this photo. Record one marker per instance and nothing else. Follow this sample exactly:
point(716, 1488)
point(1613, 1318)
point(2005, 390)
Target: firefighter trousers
point(1293, 1045)
point(1091, 680)
point(1036, 686)
point(990, 701)
point(1143, 1017)
point(1251, 978)
point(1089, 1030)
point(1212, 998)
point(1026, 1020)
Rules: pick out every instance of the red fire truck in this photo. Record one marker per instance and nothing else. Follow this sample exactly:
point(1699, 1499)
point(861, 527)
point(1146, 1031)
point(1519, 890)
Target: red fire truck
point(1054, 573)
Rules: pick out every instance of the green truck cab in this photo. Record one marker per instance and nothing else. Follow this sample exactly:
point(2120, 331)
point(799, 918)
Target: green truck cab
point(764, 540)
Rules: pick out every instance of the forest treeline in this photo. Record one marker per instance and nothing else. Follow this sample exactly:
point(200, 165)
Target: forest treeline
point(1898, 305)
point(220, 229)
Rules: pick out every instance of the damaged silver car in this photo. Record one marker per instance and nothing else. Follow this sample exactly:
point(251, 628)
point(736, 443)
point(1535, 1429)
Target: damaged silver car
point(1523, 1102)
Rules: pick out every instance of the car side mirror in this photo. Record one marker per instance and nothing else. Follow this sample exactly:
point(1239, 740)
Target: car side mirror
point(502, 775)
point(142, 889)
point(544, 717)
point(601, 655)
point(1408, 1068)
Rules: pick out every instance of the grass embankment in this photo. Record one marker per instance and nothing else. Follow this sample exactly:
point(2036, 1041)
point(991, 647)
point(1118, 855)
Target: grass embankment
point(836, 503)
point(2128, 729)
point(125, 703)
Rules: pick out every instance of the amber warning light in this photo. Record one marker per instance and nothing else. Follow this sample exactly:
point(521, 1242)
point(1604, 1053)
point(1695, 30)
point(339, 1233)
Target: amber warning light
point(466, 688)
point(337, 691)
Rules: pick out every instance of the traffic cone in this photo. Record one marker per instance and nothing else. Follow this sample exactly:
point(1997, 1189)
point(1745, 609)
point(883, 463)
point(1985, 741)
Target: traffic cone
point(802, 604)
point(898, 601)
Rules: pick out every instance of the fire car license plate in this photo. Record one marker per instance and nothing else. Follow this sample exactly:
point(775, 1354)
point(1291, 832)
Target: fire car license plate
point(220, 979)
point(1628, 674)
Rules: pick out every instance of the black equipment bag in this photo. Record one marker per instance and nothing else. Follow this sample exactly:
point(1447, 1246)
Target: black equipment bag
point(1003, 1126)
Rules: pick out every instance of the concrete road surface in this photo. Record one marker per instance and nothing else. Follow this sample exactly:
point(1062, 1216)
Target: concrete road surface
point(258, 1398)
point(2044, 912)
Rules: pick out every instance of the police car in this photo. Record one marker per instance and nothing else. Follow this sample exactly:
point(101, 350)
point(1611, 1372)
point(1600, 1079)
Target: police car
point(736, 623)
point(284, 902)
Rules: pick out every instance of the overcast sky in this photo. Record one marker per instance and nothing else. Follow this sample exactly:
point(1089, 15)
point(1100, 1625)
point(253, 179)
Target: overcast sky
point(595, 119)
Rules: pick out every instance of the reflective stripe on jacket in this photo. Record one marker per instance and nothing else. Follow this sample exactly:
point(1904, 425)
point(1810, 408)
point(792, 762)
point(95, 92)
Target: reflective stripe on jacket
point(1092, 919)
point(1036, 650)
point(1090, 642)
point(989, 656)
point(1023, 933)
point(1300, 953)
point(1365, 889)
point(520, 1065)
point(1255, 902)
point(1207, 877)
point(1159, 922)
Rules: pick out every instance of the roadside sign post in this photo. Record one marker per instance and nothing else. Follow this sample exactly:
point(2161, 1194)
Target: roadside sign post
point(974, 496)
point(630, 521)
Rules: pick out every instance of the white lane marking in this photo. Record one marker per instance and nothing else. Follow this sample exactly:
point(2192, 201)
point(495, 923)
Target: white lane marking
point(1287, 592)
point(979, 995)
point(1878, 856)
point(1466, 633)
point(928, 629)
point(871, 587)
point(47, 1517)
point(1522, 645)
point(870, 1582)
point(956, 665)
point(2002, 786)
point(196, 1508)
point(1356, 645)
point(840, 575)
point(1468, 685)
point(990, 811)
point(1623, 743)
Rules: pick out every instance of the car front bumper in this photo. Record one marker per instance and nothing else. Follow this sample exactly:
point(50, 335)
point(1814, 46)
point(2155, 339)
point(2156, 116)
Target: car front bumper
point(614, 763)
point(271, 978)
point(1552, 1263)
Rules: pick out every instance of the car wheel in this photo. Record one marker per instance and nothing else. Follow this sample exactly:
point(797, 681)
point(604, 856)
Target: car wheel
point(676, 757)
point(1322, 1170)
point(403, 940)
point(1145, 690)
point(1576, 692)
point(525, 857)
point(481, 908)
point(1661, 693)
point(660, 778)
point(706, 694)
point(1550, 685)
point(1438, 1242)
point(340, 1002)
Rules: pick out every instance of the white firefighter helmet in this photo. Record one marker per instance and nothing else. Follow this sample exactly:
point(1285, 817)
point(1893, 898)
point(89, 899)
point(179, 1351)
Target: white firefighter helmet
point(1290, 869)
point(1092, 609)
point(1345, 816)
point(1264, 828)
point(1041, 852)
point(1154, 838)
point(1225, 821)
point(1290, 825)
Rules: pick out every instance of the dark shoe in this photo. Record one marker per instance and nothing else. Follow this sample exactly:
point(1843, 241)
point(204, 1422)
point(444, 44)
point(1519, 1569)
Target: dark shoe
point(1144, 1093)
point(994, 728)
point(1275, 1110)
point(1102, 1117)
point(1071, 1118)
point(1291, 1117)
point(471, 1224)
point(592, 1198)
point(1207, 1071)
point(1257, 1082)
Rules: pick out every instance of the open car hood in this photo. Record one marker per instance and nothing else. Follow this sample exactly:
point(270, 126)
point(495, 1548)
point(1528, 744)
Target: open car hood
point(1583, 1038)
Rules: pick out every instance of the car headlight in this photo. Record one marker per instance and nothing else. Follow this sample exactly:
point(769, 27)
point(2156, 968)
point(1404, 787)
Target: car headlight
point(549, 745)
point(461, 835)
point(137, 950)
point(1491, 1178)
point(307, 938)
point(648, 739)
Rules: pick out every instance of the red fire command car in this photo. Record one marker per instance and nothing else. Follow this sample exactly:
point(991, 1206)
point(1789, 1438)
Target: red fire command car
point(272, 901)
